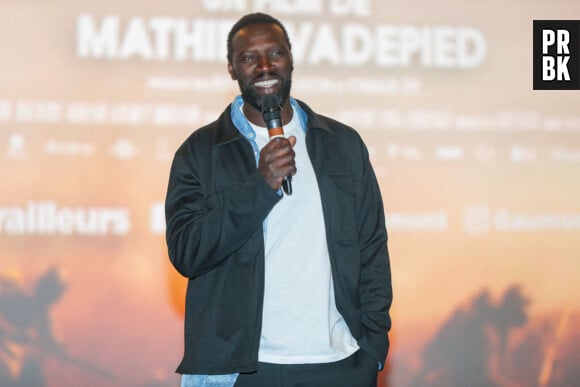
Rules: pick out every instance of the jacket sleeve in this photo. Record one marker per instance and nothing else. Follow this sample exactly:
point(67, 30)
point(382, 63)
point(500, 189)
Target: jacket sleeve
point(375, 288)
point(201, 233)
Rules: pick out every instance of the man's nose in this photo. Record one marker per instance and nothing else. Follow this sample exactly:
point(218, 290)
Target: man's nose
point(265, 63)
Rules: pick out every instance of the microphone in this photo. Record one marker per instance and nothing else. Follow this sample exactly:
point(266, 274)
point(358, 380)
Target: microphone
point(272, 114)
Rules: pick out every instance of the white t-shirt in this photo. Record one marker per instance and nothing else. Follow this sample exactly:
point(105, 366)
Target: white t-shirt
point(300, 321)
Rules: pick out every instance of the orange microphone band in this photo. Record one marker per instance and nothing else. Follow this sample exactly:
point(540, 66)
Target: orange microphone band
point(275, 132)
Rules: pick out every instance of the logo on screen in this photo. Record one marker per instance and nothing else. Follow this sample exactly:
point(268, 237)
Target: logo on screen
point(556, 55)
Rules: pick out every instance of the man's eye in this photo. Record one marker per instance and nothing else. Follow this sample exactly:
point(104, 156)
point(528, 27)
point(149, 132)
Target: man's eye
point(277, 53)
point(247, 58)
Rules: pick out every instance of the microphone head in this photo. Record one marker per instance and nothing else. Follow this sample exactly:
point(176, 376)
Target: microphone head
point(271, 109)
point(270, 102)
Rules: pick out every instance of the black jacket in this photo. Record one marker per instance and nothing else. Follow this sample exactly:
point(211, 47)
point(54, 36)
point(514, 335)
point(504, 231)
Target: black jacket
point(215, 206)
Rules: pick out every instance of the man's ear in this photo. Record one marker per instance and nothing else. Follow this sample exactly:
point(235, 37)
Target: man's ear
point(231, 71)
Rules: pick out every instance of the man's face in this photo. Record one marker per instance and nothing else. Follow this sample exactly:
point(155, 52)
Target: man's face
point(261, 63)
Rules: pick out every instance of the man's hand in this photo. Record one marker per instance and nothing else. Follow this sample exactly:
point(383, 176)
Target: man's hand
point(277, 160)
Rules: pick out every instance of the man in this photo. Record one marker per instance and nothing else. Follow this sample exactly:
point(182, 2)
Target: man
point(283, 289)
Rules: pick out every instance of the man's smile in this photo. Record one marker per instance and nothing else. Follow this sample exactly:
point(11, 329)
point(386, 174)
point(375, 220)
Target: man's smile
point(266, 83)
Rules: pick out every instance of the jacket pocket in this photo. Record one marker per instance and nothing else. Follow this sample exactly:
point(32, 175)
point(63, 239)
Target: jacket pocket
point(343, 213)
point(343, 181)
point(220, 194)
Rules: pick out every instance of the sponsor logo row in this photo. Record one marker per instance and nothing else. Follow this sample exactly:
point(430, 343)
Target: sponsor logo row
point(49, 218)
point(485, 153)
point(16, 146)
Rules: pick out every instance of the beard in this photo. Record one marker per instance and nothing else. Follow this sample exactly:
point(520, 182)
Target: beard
point(250, 96)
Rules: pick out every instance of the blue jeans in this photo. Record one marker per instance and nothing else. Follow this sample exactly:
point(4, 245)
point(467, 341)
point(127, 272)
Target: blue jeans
point(208, 380)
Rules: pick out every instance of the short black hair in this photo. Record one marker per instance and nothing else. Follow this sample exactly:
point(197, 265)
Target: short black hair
point(250, 19)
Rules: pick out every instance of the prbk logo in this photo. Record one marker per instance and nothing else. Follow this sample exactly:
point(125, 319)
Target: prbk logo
point(556, 54)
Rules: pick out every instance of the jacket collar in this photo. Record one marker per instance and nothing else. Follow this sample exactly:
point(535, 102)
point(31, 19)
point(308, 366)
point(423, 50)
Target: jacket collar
point(225, 129)
point(315, 121)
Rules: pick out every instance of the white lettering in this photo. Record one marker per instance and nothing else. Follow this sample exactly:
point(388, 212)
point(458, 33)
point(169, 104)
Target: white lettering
point(412, 41)
point(445, 47)
point(47, 218)
point(548, 68)
point(350, 7)
point(162, 28)
point(224, 5)
point(136, 41)
point(289, 7)
point(171, 114)
point(441, 47)
point(563, 40)
point(157, 221)
point(325, 47)
point(472, 48)
point(548, 39)
point(71, 148)
point(357, 44)
point(506, 221)
point(48, 111)
point(351, 44)
point(388, 54)
point(5, 110)
point(562, 65)
point(86, 113)
point(97, 44)
point(300, 39)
